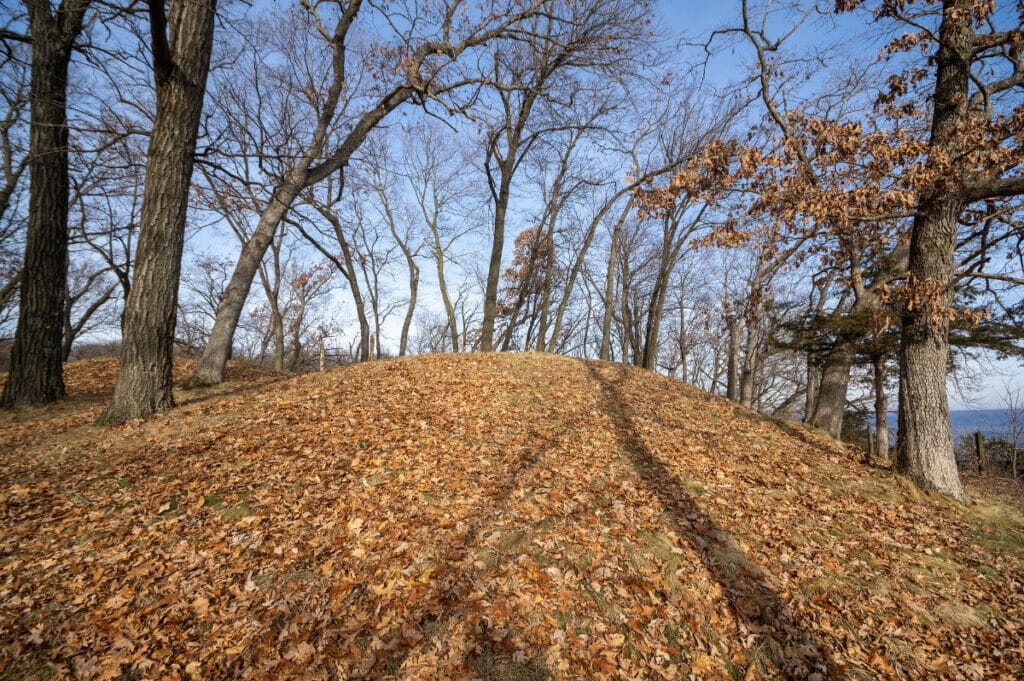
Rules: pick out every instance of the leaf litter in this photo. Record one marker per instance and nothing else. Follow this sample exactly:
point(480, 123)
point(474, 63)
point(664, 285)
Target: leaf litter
point(482, 517)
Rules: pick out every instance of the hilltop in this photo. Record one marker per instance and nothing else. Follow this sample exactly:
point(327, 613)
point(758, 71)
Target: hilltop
point(482, 516)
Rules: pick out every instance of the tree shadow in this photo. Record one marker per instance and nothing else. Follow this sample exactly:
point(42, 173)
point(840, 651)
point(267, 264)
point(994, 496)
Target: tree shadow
point(822, 441)
point(490, 655)
point(794, 650)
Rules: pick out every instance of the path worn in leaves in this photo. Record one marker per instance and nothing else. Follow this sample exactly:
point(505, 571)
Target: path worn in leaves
point(481, 516)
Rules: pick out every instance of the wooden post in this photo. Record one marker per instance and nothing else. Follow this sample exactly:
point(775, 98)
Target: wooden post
point(373, 347)
point(323, 354)
point(979, 449)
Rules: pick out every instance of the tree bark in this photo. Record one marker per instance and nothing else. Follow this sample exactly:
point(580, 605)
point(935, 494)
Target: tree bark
point(813, 383)
point(835, 381)
point(497, 249)
point(449, 309)
point(36, 373)
point(732, 371)
point(609, 294)
point(748, 372)
point(578, 263)
point(925, 444)
point(925, 447)
point(181, 63)
point(881, 407)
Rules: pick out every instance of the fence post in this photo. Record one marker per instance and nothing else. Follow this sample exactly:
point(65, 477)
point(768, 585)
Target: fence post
point(979, 449)
point(323, 354)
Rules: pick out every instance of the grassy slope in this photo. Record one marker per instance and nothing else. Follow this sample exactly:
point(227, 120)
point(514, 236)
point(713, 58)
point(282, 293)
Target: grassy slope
point(495, 517)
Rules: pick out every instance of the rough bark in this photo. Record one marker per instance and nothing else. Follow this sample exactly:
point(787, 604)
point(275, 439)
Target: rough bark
point(36, 373)
point(881, 408)
point(215, 356)
point(813, 383)
point(925, 444)
point(609, 293)
point(501, 198)
point(181, 63)
point(925, 448)
point(732, 371)
point(835, 380)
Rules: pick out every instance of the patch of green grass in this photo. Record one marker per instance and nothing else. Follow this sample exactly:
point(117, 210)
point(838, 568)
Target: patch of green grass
point(212, 501)
point(242, 510)
point(672, 636)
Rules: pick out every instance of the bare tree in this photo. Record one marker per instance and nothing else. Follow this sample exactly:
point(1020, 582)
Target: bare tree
point(36, 373)
point(596, 35)
point(181, 60)
point(423, 63)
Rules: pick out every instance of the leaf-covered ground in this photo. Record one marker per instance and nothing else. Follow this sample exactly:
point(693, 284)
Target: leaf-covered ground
point(494, 517)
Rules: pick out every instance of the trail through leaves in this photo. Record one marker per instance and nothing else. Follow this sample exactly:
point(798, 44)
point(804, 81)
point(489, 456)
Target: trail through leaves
point(482, 516)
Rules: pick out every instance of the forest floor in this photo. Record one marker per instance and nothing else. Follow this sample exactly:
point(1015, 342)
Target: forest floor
point(499, 517)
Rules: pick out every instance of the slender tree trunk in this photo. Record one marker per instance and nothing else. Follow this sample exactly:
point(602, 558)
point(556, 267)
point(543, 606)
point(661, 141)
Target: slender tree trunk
point(813, 384)
point(36, 373)
point(449, 309)
point(732, 372)
point(211, 367)
point(181, 63)
point(835, 381)
point(655, 309)
point(414, 284)
point(925, 444)
point(497, 250)
point(278, 327)
point(750, 359)
point(881, 406)
point(69, 332)
point(578, 266)
point(609, 294)
point(545, 303)
point(684, 369)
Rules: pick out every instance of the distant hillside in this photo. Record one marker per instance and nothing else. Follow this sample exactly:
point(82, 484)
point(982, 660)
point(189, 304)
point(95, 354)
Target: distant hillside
point(482, 516)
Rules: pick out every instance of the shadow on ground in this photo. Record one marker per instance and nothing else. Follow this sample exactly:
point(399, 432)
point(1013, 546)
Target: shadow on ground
point(792, 649)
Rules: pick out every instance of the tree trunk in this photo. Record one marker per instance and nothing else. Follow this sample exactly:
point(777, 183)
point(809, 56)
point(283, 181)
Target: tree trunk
point(835, 381)
point(545, 303)
point(732, 372)
point(609, 294)
point(813, 384)
point(277, 324)
point(925, 447)
point(211, 367)
point(881, 407)
point(414, 284)
point(655, 309)
point(578, 266)
point(494, 265)
point(36, 373)
point(750, 357)
point(449, 309)
point(181, 64)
